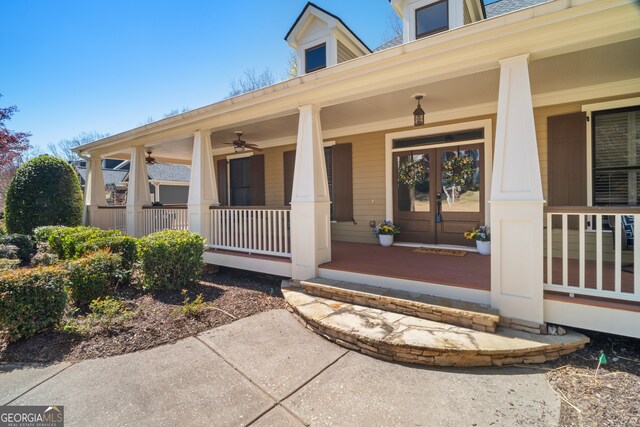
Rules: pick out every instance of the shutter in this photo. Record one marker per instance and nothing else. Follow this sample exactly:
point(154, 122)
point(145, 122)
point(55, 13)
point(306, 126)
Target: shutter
point(566, 139)
point(289, 161)
point(257, 180)
point(221, 168)
point(342, 172)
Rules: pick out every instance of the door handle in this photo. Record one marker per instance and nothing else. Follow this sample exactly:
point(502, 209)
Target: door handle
point(438, 206)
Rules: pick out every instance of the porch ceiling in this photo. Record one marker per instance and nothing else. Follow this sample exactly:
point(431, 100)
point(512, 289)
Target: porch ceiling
point(561, 73)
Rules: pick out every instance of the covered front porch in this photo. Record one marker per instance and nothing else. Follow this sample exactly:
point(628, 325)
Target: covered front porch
point(329, 143)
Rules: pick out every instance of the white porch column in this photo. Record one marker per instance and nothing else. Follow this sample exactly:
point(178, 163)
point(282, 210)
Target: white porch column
point(138, 194)
point(310, 210)
point(94, 191)
point(516, 200)
point(203, 189)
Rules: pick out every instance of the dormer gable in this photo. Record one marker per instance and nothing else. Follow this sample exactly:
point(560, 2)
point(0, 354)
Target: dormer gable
point(422, 18)
point(321, 39)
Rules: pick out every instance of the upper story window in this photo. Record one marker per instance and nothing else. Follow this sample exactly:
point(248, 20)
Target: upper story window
point(432, 18)
point(315, 58)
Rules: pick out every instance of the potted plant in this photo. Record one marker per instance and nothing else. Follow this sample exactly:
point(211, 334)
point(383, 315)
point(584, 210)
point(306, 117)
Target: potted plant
point(482, 236)
point(385, 232)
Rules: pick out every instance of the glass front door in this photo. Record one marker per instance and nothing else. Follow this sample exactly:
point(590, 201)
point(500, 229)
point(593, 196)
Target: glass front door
point(439, 193)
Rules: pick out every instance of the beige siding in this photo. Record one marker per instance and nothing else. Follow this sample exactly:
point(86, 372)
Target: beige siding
point(368, 187)
point(467, 15)
point(344, 54)
point(274, 175)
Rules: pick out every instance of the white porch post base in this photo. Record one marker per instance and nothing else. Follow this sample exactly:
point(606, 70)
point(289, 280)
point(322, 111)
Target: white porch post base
point(135, 221)
point(90, 214)
point(516, 200)
point(203, 188)
point(516, 260)
point(311, 238)
point(200, 220)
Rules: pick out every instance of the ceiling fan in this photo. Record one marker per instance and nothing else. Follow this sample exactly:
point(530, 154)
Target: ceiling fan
point(150, 160)
point(239, 144)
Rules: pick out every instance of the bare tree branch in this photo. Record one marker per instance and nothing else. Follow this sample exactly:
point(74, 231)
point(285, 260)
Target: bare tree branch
point(251, 81)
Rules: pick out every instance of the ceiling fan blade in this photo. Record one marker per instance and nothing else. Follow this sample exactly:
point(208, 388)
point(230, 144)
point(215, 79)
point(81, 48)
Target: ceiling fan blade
point(253, 147)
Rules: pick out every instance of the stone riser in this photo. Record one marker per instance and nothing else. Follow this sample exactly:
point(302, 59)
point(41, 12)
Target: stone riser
point(430, 357)
point(476, 321)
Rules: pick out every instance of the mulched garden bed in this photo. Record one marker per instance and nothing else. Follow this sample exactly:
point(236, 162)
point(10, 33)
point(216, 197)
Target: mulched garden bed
point(610, 399)
point(154, 319)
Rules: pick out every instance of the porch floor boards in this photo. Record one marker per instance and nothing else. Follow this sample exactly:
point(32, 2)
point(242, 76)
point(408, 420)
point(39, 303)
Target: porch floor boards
point(470, 271)
point(590, 279)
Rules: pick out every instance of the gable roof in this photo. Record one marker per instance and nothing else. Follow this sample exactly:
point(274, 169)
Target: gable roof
point(501, 7)
point(396, 41)
point(169, 172)
point(110, 176)
point(158, 172)
point(309, 5)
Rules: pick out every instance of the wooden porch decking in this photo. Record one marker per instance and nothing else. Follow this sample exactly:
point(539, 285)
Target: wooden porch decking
point(470, 271)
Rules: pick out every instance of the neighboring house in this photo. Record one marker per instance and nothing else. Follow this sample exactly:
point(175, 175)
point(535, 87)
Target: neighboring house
point(531, 125)
point(168, 183)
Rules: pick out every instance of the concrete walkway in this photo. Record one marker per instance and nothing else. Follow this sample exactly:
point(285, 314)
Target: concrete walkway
point(268, 370)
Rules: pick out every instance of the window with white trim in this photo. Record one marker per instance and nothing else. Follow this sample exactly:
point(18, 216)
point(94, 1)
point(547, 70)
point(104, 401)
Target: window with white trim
point(432, 18)
point(315, 58)
point(616, 156)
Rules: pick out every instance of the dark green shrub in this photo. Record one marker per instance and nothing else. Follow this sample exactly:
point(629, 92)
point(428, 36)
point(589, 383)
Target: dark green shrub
point(44, 191)
point(125, 246)
point(171, 259)
point(26, 246)
point(41, 234)
point(31, 300)
point(94, 276)
point(67, 242)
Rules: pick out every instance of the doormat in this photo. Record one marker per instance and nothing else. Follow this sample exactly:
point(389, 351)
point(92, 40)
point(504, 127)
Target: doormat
point(437, 251)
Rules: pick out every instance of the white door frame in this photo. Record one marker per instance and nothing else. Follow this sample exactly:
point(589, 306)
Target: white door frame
point(485, 124)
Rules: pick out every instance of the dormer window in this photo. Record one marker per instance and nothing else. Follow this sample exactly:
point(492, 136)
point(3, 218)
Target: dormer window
point(315, 58)
point(432, 18)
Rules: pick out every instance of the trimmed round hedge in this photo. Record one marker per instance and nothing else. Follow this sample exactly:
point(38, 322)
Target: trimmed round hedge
point(44, 191)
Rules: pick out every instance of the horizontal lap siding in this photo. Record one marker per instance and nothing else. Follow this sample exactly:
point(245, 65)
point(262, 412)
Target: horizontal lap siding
point(368, 188)
point(274, 175)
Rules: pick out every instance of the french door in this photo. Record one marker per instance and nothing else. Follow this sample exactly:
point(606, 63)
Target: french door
point(438, 193)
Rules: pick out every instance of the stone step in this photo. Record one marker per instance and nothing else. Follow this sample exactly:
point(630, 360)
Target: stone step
point(454, 312)
point(401, 338)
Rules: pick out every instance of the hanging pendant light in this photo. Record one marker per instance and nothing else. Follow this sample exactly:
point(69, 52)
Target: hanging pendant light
point(418, 113)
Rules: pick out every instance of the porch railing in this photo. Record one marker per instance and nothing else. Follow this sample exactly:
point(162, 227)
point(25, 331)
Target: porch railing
point(168, 217)
point(109, 218)
point(587, 252)
point(256, 230)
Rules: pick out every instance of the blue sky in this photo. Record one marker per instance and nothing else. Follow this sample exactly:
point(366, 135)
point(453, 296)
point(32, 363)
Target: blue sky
point(105, 66)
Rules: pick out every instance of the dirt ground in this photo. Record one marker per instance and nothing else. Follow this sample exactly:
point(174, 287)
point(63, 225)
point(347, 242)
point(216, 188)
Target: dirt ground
point(153, 319)
point(612, 398)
